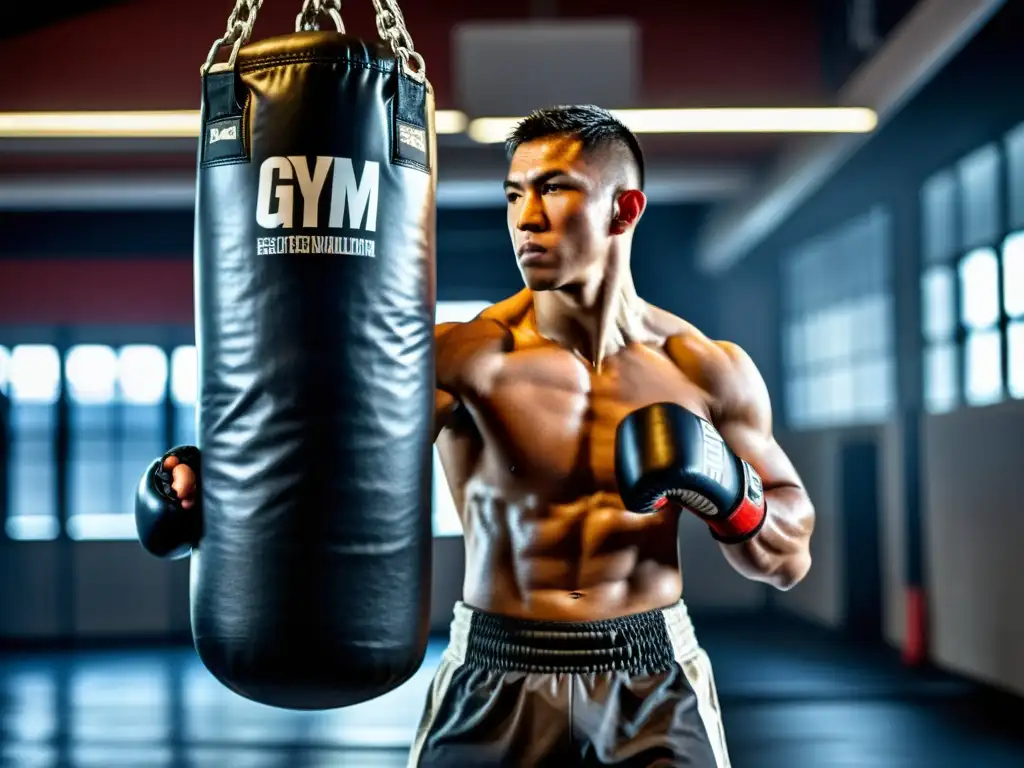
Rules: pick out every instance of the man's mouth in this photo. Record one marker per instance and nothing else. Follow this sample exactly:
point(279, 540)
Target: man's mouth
point(529, 252)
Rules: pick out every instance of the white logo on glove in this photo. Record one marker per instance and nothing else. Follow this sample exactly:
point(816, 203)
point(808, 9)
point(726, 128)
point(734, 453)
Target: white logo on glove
point(714, 452)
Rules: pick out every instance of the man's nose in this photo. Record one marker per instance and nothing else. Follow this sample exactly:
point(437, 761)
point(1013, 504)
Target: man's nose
point(531, 215)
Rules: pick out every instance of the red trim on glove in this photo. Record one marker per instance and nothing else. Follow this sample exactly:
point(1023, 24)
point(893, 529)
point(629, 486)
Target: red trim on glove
point(748, 516)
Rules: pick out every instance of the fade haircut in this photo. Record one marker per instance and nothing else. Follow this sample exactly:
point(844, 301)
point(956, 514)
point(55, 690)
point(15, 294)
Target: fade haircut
point(596, 128)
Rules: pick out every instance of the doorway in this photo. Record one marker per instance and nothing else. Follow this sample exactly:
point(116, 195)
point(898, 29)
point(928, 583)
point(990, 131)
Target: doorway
point(861, 516)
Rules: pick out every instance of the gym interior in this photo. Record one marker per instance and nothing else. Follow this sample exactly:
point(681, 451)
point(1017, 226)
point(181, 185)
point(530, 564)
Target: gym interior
point(874, 273)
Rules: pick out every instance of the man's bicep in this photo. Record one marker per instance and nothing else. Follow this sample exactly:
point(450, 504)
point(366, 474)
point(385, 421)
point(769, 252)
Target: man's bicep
point(762, 452)
point(745, 421)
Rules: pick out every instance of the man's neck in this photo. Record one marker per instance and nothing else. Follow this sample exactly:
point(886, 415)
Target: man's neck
point(594, 322)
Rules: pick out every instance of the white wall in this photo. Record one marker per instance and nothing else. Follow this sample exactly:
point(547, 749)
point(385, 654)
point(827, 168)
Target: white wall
point(819, 596)
point(972, 464)
point(974, 528)
point(893, 531)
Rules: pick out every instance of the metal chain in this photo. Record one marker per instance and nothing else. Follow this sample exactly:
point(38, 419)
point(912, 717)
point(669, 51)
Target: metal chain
point(392, 29)
point(239, 30)
point(390, 26)
point(307, 20)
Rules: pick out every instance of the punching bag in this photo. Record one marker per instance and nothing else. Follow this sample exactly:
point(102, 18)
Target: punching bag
point(314, 266)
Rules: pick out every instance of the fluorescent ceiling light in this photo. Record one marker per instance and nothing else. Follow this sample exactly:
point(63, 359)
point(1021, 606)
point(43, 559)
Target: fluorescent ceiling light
point(487, 130)
point(450, 121)
point(65, 125)
point(491, 130)
point(168, 124)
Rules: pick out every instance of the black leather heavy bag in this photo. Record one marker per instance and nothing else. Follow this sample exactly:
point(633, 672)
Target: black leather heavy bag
point(314, 306)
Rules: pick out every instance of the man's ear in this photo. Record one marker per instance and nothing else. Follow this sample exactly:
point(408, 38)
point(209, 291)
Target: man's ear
point(626, 212)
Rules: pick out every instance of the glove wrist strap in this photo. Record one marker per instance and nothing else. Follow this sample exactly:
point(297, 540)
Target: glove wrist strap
point(747, 517)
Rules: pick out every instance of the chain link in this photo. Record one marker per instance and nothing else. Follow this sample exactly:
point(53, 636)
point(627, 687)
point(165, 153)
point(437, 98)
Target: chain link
point(308, 19)
point(239, 30)
point(392, 29)
point(390, 26)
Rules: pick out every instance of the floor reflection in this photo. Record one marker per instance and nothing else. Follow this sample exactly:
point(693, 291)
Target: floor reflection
point(793, 697)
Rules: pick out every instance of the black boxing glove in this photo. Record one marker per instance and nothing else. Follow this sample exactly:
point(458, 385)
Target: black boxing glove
point(664, 453)
point(164, 527)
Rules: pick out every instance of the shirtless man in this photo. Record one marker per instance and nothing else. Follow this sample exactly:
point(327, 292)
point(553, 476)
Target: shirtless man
point(571, 644)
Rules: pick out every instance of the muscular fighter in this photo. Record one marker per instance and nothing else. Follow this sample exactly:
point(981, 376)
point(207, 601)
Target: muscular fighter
point(576, 423)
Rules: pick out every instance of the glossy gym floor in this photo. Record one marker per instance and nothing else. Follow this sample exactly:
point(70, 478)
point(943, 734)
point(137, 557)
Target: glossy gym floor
point(793, 695)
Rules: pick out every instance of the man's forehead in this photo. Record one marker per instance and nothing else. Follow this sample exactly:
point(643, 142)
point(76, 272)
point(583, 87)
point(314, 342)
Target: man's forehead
point(541, 156)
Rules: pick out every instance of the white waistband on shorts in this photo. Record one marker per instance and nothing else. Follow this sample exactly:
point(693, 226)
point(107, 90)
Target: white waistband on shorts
point(678, 625)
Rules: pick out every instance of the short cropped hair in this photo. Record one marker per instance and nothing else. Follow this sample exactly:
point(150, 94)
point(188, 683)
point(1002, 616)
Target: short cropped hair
point(595, 127)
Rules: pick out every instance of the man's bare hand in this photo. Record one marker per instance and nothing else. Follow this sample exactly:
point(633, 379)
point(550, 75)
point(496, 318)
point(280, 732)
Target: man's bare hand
point(184, 482)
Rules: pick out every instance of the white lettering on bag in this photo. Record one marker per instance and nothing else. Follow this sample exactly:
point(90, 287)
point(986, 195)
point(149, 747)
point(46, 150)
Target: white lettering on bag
point(285, 183)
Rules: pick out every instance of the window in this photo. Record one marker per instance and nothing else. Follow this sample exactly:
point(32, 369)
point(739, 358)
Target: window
point(979, 178)
point(938, 293)
point(142, 390)
point(1015, 361)
point(1013, 275)
point(938, 201)
point(116, 428)
point(981, 309)
point(942, 381)
point(184, 388)
point(91, 376)
point(979, 315)
point(939, 323)
point(445, 515)
point(1015, 171)
point(983, 362)
point(1013, 304)
point(979, 289)
point(972, 287)
point(872, 379)
point(5, 369)
point(937, 302)
point(838, 327)
point(33, 385)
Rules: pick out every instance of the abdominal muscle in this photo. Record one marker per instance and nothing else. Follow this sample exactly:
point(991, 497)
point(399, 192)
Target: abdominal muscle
point(584, 561)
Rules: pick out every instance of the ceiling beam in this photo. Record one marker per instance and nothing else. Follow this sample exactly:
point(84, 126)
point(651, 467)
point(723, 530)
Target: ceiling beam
point(931, 34)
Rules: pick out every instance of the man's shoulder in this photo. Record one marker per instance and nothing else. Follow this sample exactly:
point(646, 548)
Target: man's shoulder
point(463, 348)
point(720, 367)
point(509, 311)
point(494, 323)
point(475, 334)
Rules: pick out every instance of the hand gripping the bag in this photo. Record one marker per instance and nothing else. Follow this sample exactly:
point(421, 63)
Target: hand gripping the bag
point(168, 512)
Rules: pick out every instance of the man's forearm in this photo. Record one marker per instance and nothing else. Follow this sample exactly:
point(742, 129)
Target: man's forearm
point(780, 553)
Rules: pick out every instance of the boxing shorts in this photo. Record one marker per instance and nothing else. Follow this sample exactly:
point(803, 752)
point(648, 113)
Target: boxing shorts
point(631, 691)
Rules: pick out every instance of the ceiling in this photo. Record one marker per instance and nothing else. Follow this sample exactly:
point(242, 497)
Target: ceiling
point(483, 59)
point(14, 21)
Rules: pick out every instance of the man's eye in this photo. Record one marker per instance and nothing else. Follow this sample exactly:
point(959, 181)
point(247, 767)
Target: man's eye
point(511, 197)
point(549, 188)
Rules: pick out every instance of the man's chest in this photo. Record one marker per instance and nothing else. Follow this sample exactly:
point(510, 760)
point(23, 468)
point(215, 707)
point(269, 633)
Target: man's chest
point(551, 418)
